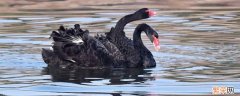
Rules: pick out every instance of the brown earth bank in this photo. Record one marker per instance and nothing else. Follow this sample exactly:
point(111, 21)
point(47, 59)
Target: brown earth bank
point(11, 6)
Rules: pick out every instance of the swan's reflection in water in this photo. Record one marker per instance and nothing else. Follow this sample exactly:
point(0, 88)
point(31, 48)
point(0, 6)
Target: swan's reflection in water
point(88, 75)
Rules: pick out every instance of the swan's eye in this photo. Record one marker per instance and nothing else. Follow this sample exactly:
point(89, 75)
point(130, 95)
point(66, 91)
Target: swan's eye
point(151, 13)
point(155, 34)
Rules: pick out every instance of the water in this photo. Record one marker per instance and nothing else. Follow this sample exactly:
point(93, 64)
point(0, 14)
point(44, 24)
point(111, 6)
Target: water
point(200, 49)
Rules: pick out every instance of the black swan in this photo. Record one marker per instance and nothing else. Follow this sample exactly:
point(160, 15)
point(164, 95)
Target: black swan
point(67, 53)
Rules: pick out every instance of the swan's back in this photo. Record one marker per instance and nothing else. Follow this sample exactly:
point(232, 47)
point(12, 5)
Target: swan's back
point(88, 52)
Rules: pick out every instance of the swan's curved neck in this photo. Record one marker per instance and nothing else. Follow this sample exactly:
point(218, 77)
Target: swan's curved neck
point(137, 40)
point(119, 27)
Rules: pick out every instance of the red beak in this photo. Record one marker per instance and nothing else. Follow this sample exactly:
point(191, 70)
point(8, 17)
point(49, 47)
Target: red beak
point(151, 13)
point(156, 43)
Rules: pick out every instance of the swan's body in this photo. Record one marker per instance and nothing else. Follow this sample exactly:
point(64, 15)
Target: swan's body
point(89, 53)
point(136, 54)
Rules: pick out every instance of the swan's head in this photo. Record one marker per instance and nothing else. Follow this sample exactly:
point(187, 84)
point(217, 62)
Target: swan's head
point(145, 13)
point(153, 36)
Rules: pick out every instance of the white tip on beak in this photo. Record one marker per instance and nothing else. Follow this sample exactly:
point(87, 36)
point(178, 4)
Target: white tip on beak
point(157, 47)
